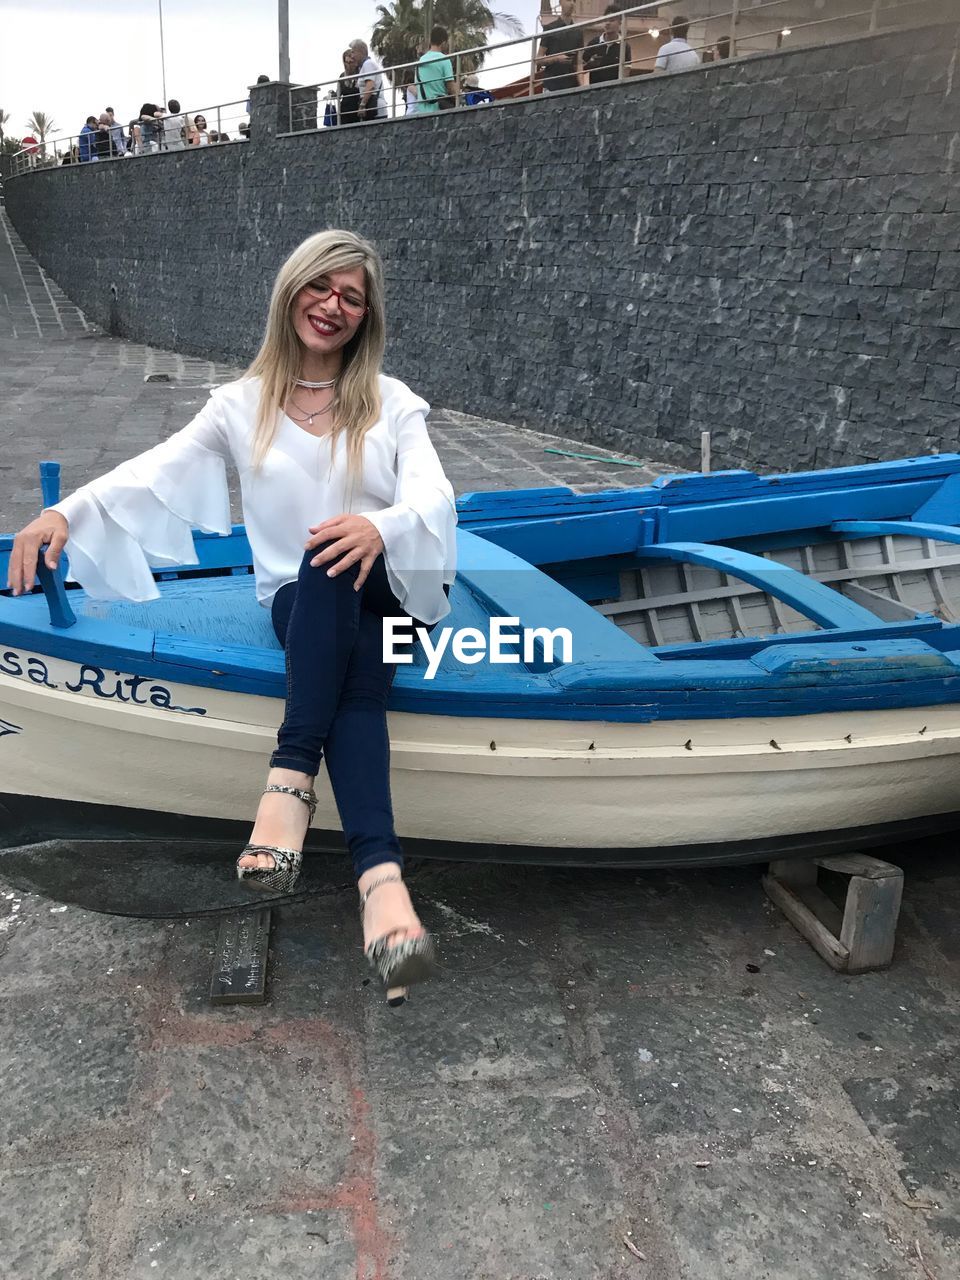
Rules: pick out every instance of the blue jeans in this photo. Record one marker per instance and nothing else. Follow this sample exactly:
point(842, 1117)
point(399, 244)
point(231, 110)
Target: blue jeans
point(337, 690)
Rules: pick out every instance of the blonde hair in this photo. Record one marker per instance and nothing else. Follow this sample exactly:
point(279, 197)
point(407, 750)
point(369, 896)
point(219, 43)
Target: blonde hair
point(356, 402)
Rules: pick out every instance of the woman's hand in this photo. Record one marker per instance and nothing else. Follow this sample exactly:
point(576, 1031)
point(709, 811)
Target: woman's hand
point(353, 538)
point(49, 527)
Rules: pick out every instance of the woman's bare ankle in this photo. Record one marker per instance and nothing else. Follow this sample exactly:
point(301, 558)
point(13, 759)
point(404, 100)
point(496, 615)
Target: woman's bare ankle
point(379, 872)
point(388, 913)
point(280, 818)
point(290, 778)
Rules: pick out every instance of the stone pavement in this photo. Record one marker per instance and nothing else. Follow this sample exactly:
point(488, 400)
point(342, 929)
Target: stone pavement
point(650, 1058)
point(72, 393)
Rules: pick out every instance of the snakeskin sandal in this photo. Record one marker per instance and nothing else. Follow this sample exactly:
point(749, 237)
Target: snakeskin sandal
point(282, 876)
point(406, 962)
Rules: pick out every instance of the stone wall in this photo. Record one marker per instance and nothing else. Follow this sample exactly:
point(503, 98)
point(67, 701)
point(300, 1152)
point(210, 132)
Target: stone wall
point(768, 249)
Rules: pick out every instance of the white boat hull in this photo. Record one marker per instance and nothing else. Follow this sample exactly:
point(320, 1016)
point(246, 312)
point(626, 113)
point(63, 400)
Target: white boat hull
point(534, 785)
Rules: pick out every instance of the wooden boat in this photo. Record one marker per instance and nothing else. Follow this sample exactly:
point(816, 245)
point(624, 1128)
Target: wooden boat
point(760, 666)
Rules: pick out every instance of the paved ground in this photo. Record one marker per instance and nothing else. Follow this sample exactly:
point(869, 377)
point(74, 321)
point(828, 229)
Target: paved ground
point(655, 1059)
point(71, 393)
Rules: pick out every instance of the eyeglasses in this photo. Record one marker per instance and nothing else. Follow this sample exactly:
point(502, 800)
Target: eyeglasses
point(348, 303)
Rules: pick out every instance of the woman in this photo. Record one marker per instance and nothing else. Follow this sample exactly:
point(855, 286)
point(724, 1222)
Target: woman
point(334, 457)
point(197, 135)
point(411, 99)
point(348, 94)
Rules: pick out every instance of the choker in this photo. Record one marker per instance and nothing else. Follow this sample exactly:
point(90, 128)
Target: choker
point(315, 386)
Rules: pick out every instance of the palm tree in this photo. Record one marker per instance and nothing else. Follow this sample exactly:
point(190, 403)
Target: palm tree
point(398, 36)
point(470, 21)
point(4, 117)
point(401, 30)
point(41, 124)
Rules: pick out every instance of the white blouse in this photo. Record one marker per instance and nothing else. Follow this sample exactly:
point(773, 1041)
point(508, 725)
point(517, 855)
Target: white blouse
point(140, 514)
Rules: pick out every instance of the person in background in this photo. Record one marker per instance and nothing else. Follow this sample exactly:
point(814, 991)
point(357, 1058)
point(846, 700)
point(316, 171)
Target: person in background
point(197, 135)
point(85, 141)
point(436, 88)
point(559, 54)
point(173, 127)
point(118, 141)
point(473, 95)
point(601, 57)
point(244, 130)
point(71, 157)
point(723, 49)
point(149, 122)
point(411, 102)
point(677, 54)
point(348, 92)
point(373, 105)
point(102, 147)
point(260, 80)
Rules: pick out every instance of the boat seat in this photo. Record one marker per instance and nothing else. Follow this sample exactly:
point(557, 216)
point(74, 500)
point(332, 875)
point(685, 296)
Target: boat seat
point(226, 610)
point(822, 605)
point(893, 528)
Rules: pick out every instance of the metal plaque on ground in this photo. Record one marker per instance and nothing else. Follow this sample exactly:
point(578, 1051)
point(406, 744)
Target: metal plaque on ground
point(240, 962)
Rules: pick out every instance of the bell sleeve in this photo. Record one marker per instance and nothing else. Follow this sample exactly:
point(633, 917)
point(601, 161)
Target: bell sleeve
point(419, 529)
point(140, 515)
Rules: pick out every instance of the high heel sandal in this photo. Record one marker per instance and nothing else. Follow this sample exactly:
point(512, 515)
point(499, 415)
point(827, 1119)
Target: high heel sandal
point(404, 963)
point(282, 876)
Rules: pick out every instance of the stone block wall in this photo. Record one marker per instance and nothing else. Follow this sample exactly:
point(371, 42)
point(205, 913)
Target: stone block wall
point(768, 249)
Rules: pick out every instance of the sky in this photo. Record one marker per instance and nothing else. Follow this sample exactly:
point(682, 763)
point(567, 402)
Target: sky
point(72, 60)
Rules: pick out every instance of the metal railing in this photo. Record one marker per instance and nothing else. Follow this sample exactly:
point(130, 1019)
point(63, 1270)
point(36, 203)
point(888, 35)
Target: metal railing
point(743, 30)
point(402, 90)
point(181, 131)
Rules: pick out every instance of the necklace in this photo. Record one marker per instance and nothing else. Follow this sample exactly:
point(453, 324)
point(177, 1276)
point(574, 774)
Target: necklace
point(316, 386)
point(308, 416)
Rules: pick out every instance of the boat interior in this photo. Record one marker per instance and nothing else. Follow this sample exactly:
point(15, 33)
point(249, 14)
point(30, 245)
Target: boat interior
point(762, 566)
point(897, 577)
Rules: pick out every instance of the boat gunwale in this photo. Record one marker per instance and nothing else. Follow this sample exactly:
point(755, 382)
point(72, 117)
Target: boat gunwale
point(796, 678)
point(622, 680)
